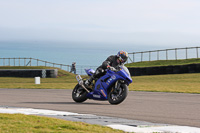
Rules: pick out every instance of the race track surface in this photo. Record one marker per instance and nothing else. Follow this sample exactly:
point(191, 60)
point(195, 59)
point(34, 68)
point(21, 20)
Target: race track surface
point(167, 108)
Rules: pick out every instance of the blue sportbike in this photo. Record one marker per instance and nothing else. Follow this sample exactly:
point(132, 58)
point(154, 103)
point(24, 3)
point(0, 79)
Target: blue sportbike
point(113, 86)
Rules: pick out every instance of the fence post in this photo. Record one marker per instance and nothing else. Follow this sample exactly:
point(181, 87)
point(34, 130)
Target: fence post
point(133, 57)
point(30, 61)
point(9, 62)
point(186, 53)
point(149, 55)
point(176, 53)
point(197, 52)
point(37, 62)
point(3, 61)
point(141, 56)
point(19, 61)
point(158, 55)
point(166, 54)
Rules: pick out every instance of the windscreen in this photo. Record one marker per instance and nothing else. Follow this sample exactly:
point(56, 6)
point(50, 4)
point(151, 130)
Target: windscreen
point(126, 70)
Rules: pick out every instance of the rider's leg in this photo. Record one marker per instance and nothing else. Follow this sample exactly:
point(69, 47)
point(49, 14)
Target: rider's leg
point(98, 73)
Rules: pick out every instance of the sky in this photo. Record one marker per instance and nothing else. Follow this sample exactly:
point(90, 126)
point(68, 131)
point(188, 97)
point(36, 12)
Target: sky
point(99, 23)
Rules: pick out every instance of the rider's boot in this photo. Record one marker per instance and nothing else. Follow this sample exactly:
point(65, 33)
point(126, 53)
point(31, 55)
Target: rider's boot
point(89, 81)
point(97, 74)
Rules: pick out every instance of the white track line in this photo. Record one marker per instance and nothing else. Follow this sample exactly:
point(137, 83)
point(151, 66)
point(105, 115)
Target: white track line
point(126, 128)
point(159, 129)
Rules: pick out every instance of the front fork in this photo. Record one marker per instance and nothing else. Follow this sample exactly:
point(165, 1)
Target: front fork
point(117, 85)
point(116, 88)
point(80, 82)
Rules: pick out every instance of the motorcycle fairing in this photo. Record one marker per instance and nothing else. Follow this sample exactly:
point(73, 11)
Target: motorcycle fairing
point(123, 74)
point(103, 84)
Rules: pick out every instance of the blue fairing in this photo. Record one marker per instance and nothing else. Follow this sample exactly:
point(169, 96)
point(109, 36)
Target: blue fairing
point(103, 84)
point(126, 76)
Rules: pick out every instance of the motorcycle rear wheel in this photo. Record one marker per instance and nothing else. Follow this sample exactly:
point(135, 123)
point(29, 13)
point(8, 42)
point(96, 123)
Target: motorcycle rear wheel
point(79, 94)
point(118, 96)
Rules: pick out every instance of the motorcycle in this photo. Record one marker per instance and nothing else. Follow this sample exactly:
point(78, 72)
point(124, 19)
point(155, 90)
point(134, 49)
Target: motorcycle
point(113, 86)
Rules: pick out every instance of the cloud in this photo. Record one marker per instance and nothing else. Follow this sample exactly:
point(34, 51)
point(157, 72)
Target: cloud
point(114, 21)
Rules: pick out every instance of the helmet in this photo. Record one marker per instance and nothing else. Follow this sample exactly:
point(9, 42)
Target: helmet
point(122, 56)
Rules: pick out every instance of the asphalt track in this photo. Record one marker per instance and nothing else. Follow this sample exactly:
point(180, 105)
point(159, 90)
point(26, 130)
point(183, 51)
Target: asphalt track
point(167, 108)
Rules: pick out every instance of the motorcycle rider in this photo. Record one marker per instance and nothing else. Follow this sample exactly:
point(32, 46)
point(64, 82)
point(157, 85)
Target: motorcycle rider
point(110, 63)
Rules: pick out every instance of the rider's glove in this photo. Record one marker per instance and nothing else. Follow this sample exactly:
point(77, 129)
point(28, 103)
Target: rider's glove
point(111, 68)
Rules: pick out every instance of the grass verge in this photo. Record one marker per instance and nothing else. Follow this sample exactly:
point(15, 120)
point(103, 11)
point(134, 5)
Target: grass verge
point(65, 80)
point(179, 83)
point(36, 124)
point(163, 63)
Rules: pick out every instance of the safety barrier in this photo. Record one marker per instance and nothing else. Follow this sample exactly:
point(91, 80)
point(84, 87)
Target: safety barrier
point(177, 69)
point(43, 73)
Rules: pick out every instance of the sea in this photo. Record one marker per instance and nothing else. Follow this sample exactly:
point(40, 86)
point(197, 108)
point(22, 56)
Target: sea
point(85, 56)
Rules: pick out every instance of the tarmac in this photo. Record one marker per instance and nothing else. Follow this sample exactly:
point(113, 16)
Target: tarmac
point(140, 112)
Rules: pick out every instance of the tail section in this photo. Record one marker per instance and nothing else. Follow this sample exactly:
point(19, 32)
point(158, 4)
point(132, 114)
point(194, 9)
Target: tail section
point(89, 72)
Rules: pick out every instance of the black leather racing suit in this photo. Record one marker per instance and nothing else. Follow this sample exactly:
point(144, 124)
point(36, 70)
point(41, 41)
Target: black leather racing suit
point(110, 61)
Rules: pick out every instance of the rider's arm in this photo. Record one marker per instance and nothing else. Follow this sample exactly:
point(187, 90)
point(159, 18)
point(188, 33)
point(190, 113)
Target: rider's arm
point(107, 63)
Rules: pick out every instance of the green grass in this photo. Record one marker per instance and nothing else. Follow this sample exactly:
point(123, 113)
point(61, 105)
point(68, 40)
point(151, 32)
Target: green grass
point(163, 63)
point(18, 123)
point(179, 83)
point(65, 80)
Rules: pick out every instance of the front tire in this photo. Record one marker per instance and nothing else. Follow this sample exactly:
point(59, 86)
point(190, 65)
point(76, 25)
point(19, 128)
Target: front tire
point(116, 96)
point(79, 94)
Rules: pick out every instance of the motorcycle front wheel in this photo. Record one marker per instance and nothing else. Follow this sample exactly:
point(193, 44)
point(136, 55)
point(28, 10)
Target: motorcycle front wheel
point(116, 96)
point(79, 94)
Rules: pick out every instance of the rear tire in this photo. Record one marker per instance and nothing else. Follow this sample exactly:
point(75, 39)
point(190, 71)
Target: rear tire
point(118, 96)
point(79, 94)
